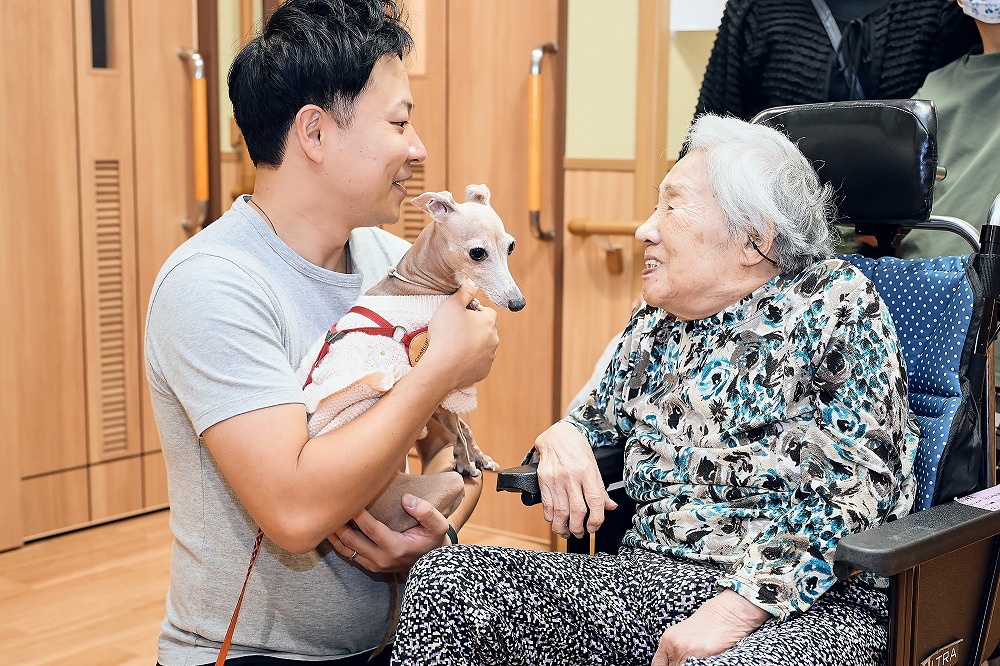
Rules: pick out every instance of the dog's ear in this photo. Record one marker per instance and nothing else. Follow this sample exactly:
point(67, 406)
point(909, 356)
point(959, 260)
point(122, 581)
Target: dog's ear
point(438, 204)
point(478, 193)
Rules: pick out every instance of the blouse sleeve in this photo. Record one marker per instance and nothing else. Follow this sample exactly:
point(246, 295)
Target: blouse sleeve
point(601, 417)
point(856, 461)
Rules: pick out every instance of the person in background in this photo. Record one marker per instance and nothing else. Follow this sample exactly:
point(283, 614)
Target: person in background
point(966, 94)
point(775, 52)
point(323, 102)
point(760, 393)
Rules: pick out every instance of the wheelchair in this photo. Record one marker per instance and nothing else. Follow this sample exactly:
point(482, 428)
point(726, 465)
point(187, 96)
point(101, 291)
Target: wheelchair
point(943, 560)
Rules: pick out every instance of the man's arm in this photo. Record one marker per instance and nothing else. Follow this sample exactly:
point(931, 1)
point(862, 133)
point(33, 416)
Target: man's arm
point(299, 490)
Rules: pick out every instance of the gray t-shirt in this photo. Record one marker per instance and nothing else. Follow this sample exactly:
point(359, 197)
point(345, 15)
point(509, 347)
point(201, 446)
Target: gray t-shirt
point(232, 313)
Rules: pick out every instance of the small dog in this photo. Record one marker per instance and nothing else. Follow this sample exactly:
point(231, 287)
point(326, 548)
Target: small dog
point(385, 333)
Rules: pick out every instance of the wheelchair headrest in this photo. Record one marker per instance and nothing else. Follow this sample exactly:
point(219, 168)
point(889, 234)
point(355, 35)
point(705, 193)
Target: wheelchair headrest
point(879, 155)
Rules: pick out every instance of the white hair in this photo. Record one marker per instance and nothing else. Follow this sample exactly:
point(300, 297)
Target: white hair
point(763, 182)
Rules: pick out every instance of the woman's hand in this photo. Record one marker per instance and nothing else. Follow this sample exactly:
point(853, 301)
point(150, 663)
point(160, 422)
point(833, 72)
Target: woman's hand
point(717, 626)
point(570, 482)
point(381, 550)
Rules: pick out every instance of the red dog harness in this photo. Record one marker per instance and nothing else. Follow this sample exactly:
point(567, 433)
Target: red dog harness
point(384, 329)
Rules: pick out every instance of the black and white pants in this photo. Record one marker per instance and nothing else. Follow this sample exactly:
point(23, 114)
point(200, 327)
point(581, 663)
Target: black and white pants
point(487, 605)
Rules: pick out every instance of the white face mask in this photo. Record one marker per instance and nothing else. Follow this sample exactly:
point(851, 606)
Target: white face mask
point(987, 11)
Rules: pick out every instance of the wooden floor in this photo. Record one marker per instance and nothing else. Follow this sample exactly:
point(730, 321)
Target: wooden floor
point(96, 597)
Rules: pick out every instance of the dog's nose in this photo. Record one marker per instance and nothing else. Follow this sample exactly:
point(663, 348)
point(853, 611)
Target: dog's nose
point(516, 305)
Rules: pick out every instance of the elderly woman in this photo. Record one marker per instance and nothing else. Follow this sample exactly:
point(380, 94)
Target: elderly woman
point(761, 395)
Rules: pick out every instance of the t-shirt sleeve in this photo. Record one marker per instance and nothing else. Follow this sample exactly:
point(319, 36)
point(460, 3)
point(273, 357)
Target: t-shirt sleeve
point(214, 341)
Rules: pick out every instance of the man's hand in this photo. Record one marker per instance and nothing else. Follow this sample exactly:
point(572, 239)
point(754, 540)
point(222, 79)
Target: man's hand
point(463, 342)
point(570, 482)
point(714, 628)
point(381, 550)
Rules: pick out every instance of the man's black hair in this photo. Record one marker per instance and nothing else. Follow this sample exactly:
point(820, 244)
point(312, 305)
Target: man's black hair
point(318, 52)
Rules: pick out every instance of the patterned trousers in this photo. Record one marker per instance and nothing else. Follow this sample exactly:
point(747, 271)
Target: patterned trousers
point(487, 605)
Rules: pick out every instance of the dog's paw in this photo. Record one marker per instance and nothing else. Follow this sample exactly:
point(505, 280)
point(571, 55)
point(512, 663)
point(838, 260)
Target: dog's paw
point(469, 469)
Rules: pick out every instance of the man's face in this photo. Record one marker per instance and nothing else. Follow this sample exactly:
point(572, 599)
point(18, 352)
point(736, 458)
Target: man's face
point(370, 161)
point(689, 254)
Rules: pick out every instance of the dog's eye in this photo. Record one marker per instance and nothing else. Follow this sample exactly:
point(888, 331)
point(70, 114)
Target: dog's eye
point(510, 249)
point(477, 254)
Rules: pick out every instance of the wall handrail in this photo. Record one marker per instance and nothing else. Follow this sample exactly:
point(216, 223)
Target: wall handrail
point(199, 113)
point(589, 227)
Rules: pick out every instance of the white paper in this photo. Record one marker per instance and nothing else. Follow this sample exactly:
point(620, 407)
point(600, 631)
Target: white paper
point(988, 499)
point(696, 14)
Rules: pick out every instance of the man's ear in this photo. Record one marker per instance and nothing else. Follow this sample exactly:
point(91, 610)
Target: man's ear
point(308, 131)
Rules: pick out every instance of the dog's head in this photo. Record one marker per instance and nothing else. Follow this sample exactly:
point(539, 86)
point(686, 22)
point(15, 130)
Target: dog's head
point(476, 244)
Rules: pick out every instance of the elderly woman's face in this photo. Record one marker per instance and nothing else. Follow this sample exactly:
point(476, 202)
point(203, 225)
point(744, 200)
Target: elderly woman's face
point(691, 261)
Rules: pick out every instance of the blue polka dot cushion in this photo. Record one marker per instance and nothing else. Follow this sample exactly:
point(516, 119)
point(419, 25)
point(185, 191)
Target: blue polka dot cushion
point(932, 302)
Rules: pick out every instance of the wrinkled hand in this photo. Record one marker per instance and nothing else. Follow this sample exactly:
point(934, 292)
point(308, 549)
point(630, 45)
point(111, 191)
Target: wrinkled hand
point(718, 625)
point(381, 550)
point(463, 342)
point(570, 481)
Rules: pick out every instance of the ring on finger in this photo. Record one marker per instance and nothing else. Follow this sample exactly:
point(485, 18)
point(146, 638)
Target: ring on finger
point(351, 558)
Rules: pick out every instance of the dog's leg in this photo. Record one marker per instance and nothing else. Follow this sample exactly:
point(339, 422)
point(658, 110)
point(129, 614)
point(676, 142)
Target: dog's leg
point(453, 426)
point(469, 458)
point(475, 454)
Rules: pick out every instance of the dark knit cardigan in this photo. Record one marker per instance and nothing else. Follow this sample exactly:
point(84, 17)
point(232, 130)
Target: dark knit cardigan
point(775, 52)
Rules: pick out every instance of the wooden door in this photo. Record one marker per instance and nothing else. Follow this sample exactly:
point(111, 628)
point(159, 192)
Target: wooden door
point(93, 94)
point(164, 176)
point(108, 227)
point(42, 416)
point(489, 59)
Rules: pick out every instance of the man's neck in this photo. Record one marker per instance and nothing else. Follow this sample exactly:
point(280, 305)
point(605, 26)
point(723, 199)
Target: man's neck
point(309, 228)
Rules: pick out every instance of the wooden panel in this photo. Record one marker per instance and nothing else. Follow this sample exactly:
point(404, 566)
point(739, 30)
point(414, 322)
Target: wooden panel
point(107, 242)
point(651, 103)
point(54, 502)
point(596, 302)
point(489, 46)
point(164, 172)
point(115, 489)
point(154, 481)
point(42, 417)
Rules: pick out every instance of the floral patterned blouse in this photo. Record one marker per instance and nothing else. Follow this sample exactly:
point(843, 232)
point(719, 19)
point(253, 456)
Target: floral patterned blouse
point(758, 437)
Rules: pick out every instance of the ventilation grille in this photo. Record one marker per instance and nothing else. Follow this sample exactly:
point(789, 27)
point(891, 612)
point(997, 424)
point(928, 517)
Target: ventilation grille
point(413, 219)
point(110, 305)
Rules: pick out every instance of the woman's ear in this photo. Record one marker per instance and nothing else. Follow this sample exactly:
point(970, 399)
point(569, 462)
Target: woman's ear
point(758, 247)
point(308, 131)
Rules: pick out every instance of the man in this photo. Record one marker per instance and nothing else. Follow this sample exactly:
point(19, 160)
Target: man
point(324, 104)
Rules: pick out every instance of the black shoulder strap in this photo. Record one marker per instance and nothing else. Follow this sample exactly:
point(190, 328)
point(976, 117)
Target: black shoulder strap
point(833, 32)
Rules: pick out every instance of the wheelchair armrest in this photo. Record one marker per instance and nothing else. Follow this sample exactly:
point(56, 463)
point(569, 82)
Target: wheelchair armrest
point(894, 547)
point(524, 479)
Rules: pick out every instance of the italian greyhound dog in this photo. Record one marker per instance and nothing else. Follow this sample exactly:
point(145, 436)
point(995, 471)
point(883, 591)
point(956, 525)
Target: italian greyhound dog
point(385, 333)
